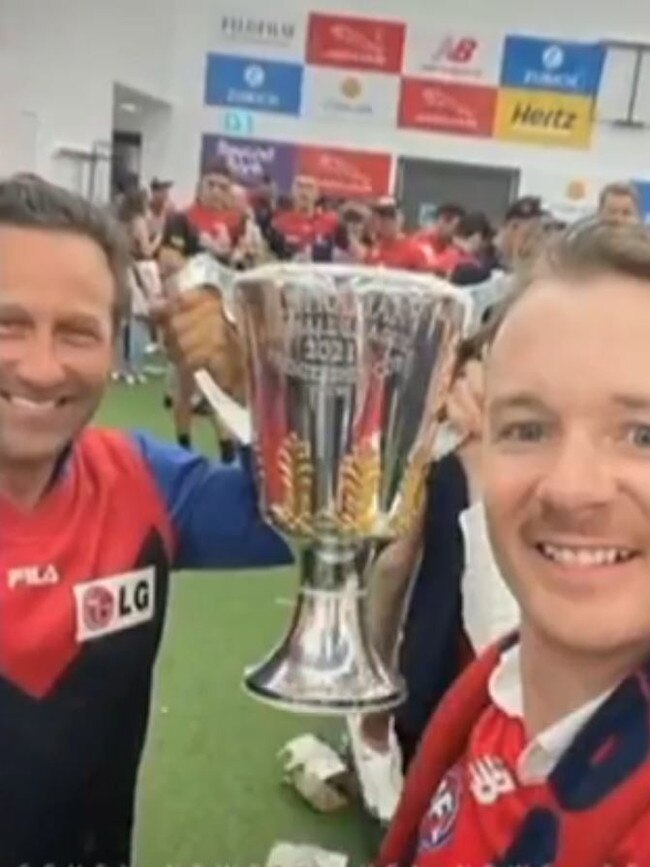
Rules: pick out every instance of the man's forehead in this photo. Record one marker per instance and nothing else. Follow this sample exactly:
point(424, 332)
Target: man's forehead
point(575, 318)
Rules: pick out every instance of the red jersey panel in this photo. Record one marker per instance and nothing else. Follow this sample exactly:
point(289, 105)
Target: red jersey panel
point(42, 627)
point(300, 230)
point(212, 221)
point(401, 252)
point(431, 238)
point(480, 805)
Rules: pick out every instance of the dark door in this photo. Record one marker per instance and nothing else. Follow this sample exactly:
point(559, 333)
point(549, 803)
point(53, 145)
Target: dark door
point(424, 185)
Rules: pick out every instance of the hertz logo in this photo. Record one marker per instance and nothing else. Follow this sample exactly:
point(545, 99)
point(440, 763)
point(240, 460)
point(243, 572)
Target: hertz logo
point(560, 119)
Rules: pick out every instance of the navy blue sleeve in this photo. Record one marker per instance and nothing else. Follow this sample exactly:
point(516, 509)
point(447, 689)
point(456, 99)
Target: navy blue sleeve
point(213, 509)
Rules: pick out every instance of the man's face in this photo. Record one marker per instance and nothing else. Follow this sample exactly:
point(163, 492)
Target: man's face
point(520, 236)
point(446, 226)
point(159, 198)
point(386, 224)
point(214, 191)
point(619, 208)
point(56, 340)
point(567, 460)
point(305, 193)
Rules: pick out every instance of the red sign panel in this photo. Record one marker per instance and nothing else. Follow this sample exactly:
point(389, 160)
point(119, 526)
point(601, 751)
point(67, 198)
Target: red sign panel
point(457, 108)
point(354, 174)
point(355, 43)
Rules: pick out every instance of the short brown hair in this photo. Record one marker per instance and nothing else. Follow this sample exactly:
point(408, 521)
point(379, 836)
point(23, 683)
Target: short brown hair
point(620, 188)
point(29, 202)
point(588, 248)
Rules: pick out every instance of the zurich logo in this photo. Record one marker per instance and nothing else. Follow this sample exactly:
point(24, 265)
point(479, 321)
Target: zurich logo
point(254, 75)
point(553, 58)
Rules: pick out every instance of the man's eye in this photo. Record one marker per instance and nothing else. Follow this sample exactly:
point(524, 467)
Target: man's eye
point(522, 432)
point(639, 435)
point(12, 327)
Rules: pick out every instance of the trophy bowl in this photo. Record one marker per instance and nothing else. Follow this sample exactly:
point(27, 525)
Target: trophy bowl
point(347, 369)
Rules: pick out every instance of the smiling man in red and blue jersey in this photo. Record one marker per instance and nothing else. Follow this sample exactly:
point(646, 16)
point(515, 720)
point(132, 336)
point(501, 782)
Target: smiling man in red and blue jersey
point(92, 523)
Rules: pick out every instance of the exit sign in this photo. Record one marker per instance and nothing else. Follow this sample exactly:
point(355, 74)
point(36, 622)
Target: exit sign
point(238, 122)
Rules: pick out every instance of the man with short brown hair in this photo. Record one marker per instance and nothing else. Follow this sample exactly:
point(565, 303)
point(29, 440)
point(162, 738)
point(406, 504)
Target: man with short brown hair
point(619, 203)
point(539, 754)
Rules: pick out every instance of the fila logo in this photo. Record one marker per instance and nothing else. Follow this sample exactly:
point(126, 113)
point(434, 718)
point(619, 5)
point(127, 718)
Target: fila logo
point(32, 576)
point(490, 779)
point(114, 604)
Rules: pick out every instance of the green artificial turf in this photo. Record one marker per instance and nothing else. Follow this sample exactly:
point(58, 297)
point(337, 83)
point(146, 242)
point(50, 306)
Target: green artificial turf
point(211, 789)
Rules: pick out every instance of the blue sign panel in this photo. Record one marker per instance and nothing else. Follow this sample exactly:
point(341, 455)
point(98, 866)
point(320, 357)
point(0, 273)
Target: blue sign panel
point(543, 64)
point(260, 85)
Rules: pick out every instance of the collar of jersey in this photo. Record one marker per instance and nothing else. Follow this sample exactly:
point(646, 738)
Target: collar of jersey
point(541, 755)
point(52, 508)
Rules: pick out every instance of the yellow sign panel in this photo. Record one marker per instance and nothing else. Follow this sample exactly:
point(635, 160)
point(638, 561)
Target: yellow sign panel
point(545, 118)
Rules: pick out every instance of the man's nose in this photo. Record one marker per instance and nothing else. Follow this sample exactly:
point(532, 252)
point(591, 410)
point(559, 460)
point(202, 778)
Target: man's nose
point(39, 365)
point(580, 477)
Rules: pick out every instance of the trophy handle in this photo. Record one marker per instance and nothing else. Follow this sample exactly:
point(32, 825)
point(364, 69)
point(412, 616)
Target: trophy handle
point(205, 270)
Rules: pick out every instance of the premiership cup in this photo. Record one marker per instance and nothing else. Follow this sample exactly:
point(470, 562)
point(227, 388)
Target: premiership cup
point(347, 370)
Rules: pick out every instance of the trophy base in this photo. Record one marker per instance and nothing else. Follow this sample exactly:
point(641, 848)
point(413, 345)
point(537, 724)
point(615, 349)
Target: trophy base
point(327, 664)
point(323, 705)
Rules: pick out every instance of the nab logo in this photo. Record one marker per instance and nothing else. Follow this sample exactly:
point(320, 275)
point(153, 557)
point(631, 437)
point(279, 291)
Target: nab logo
point(32, 576)
point(456, 50)
point(553, 119)
point(114, 604)
point(254, 76)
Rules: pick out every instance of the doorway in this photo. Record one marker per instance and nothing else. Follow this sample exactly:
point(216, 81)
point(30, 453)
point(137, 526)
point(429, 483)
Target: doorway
point(424, 185)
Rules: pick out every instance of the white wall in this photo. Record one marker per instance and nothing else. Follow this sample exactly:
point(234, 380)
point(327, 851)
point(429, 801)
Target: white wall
point(58, 62)
point(60, 58)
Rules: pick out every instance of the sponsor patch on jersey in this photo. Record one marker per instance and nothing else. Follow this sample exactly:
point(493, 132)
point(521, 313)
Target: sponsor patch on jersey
point(114, 604)
point(438, 825)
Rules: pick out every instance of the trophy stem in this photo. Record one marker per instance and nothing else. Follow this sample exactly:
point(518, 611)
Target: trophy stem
point(327, 663)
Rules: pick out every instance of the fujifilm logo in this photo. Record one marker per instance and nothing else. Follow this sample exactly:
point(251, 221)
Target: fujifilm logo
point(262, 31)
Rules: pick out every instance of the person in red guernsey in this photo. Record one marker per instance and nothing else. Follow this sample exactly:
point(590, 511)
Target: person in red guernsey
point(438, 237)
point(392, 247)
point(538, 755)
point(213, 215)
point(467, 250)
point(304, 224)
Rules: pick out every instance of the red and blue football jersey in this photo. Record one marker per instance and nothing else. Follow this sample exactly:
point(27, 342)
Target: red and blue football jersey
point(83, 592)
point(463, 803)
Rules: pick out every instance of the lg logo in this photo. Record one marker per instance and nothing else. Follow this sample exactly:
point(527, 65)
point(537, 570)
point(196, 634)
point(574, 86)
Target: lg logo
point(254, 76)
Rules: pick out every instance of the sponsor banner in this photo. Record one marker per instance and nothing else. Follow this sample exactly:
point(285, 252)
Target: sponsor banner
point(567, 197)
point(461, 56)
point(273, 36)
point(455, 108)
point(355, 43)
point(350, 96)
point(249, 160)
point(253, 83)
point(542, 64)
point(644, 194)
point(345, 173)
point(538, 117)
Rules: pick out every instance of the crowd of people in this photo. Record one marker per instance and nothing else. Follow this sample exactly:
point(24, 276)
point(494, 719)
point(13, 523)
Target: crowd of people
point(526, 750)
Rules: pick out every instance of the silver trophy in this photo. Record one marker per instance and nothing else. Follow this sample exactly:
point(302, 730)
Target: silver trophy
point(347, 368)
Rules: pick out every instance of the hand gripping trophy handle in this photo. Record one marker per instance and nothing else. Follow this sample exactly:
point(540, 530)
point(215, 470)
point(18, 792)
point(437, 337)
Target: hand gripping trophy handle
point(346, 371)
point(205, 271)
